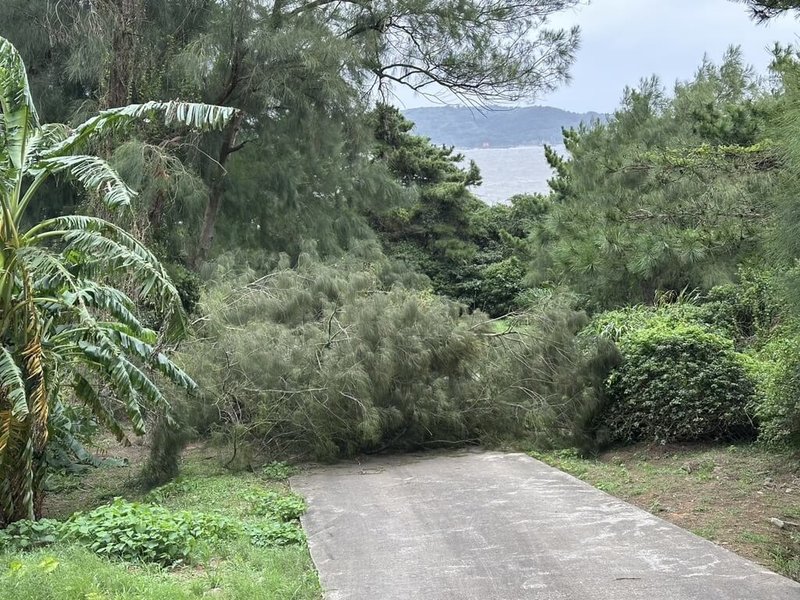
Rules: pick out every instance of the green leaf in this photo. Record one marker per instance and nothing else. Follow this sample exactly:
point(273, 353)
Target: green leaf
point(115, 120)
point(12, 381)
point(18, 111)
point(94, 173)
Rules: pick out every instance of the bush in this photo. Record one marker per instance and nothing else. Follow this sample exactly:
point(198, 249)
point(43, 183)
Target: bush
point(677, 383)
point(500, 284)
point(144, 532)
point(616, 325)
point(779, 407)
point(747, 311)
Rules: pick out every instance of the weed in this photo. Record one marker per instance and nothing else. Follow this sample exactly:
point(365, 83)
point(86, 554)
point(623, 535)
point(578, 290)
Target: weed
point(286, 507)
point(253, 557)
point(145, 532)
point(173, 488)
point(278, 471)
point(272, 534)
point(27, 535)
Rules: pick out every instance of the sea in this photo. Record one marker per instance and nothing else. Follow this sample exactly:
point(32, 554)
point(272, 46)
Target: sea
point(510, 171)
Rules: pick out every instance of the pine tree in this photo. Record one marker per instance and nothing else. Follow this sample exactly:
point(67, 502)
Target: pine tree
point(668, 195)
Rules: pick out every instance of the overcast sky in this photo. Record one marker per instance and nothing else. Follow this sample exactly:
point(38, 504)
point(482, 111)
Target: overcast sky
point(625, 40)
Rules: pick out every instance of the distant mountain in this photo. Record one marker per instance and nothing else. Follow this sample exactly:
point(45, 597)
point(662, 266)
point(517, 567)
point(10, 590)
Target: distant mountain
point(497, 127)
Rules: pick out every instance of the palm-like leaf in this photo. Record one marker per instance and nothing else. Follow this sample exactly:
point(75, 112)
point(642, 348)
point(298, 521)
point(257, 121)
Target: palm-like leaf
point(13, 385)
point(115, 120)
point(61, 317)
point(93, 173)
point(19, 113)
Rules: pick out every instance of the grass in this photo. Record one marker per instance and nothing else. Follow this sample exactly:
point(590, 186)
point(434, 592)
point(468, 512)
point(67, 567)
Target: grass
point(724, 494)
point(232, 569)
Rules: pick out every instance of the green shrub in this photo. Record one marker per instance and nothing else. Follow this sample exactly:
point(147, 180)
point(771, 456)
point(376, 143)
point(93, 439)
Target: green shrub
point(677, 383)
point(271, 534)
point(747, 311)
point(500, 284)
point(287, 507)
point(144, 532)
point(26, 535)
point(278, 471)
point(618, 324)
point(779, 407)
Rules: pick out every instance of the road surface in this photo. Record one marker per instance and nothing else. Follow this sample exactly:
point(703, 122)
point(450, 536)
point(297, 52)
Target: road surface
point(491, 526)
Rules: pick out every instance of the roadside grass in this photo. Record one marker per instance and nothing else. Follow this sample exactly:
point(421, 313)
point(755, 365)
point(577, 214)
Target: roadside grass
point(227, 569)
point(726, 494)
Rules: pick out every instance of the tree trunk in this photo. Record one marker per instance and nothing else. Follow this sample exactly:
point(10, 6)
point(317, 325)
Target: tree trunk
point(119, 85)
point(217, 190)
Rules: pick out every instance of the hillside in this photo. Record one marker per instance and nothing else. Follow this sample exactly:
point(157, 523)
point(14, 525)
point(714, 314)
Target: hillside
point(497, 128)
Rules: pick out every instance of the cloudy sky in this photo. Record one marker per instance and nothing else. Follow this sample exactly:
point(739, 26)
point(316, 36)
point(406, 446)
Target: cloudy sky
point(625, 40)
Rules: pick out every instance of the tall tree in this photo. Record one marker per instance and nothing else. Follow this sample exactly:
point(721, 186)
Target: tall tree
point(667, 195)
point(302, 68)
point(466, 247)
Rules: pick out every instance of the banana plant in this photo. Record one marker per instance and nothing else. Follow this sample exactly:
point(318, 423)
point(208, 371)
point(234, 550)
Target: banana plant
point(69, 285)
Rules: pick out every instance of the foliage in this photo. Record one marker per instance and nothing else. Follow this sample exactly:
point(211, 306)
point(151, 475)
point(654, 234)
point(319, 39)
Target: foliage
point(501, 284)
point(326, 360)
point(287, 507)
point(433, 234)
point(717, 312)
point(779, 407)
point(753, 314)
point(670, 194)
point(750, 310)
point(51, 574)
point(297, 167)
point(64, 319)
point(782, 248)
point(144, 532)
point(272, 534)
point(465, 247)
point(545, 382)
point(153, 533)
point(278, 471)
point(25, 535)
point(763, 10)
point(174, 488)
point(230, 568)
point(329, 359)
point(677, 382)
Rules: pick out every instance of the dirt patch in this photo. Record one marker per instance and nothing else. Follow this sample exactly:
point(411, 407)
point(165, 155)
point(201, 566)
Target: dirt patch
point(117, 476)
point(92, 486)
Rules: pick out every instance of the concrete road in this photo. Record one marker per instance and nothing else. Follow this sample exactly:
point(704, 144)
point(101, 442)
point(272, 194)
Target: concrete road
point(492, 526)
